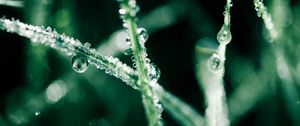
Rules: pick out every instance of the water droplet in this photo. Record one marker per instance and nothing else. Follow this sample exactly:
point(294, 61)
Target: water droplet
point(224, 35)
point(147, 60)
point(136, 9)
point(125, 25)
point(258, 14)
point(122, 12)
point(127, 40)
point(79, 63)
point(132, 58)
point(256, 7)
point(127, 52)
point(154, 72)
point(48, 29)
point(87, 45)
point(37, 113)
point(132, 3)
point(214, 63)
point(143, 35)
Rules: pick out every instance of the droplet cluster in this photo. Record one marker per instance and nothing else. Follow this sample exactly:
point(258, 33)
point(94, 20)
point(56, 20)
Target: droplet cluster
point(262, 12)
point(72, 47)
point(129, 11)
point(137, 37)
point(216, 62)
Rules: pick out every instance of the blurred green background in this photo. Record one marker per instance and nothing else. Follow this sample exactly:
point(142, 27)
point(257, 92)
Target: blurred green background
point(39, 88)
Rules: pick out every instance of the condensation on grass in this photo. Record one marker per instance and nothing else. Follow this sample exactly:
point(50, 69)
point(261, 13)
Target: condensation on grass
point(211, 76)
point(262, 12)
point(147, 73)
point(70, 46)
point(109, 64)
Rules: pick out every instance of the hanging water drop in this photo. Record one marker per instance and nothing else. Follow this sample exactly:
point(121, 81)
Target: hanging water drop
point(153, 72)
point(224, 35)
point(143, 35)
point(79, 63)
point(214, 63)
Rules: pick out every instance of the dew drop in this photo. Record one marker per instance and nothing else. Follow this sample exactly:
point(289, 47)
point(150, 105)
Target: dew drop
point(127, 40)
point(143, 35)
point(125, 25)
point(214, 63)
point(133, 59)
point(87, 45)
point(154, 72)
point(258, 14)
point(224, 35)
point(48, 29)
point(127, 52)
point(136, 9)
point(37, 113)
point(79, 63)
point(122, 13)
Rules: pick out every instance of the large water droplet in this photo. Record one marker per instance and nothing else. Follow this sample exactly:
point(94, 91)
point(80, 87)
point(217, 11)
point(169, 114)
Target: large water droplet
point(79, 63)
point(214, 63)
point(224, 35)
point(143, 35)
point(153, 72)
